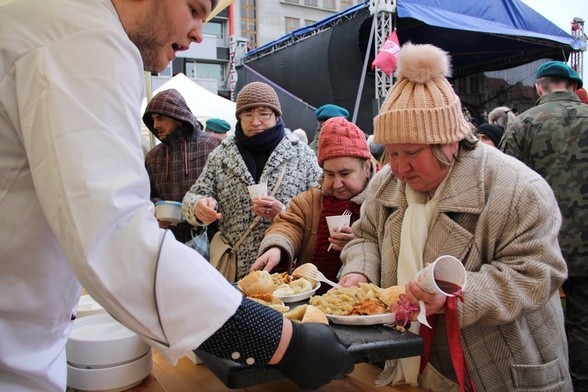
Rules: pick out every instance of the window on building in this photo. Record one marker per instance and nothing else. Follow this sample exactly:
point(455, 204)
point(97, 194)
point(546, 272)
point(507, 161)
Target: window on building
point(330, 4)
point(292, 24)
point(213, 28)
point(312, 3)
point(308, 22)
point(292, 1)
point(211, 71)
point(248, 25)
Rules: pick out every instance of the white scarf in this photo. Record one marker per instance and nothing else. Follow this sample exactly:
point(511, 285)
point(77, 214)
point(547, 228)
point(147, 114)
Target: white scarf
point(414, 234)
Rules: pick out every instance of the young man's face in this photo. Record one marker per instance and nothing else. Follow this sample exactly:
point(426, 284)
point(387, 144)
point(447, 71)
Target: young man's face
point(166, 27)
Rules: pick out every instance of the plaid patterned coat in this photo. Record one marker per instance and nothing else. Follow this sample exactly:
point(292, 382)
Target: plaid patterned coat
point(175, 164)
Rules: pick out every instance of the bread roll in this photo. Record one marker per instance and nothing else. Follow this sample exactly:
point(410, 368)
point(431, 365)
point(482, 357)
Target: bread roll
point(297, 313)
point(314, 315)
point(257, 282)
point(390, 295)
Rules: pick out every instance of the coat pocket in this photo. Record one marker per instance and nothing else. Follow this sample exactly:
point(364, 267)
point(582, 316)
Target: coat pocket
point(548, 377)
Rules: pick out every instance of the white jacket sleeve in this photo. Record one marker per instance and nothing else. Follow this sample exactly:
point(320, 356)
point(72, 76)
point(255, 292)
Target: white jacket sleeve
point(86, 163)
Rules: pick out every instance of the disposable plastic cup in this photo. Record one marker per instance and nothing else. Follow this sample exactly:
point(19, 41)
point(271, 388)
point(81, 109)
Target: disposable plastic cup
point(257, 190)
point(446, 275)
point(335, 222)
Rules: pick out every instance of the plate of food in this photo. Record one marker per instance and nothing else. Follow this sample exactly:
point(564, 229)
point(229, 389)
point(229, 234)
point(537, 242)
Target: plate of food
point(282, 286)
point(365, 304)
point(373, 319)
point(297, 290)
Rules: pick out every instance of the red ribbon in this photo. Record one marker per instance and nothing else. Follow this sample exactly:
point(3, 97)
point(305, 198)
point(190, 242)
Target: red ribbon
point(454, 340)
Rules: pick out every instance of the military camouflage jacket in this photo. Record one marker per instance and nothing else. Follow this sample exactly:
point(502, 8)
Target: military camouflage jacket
point(552, 139)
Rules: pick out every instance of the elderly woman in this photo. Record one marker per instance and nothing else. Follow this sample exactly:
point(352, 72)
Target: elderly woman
point(261, 150)
point(445, 193)
point(301, 234)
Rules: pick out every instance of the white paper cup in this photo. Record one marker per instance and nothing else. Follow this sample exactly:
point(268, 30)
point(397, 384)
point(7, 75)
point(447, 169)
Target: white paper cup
point(257, 190)
point(444, 276)
point(336, 221)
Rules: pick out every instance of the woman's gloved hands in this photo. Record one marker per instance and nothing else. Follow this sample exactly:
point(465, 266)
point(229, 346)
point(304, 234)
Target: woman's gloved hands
point(315, 356)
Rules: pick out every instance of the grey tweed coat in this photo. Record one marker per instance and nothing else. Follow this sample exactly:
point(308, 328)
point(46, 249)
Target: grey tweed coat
point(225, 177)
point(501, 219)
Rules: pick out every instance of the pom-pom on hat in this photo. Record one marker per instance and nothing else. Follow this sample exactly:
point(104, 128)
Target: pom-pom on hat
point(329, 110)
point(258, 94)
point(341, 138)
point(421, 107)
point(559, 69)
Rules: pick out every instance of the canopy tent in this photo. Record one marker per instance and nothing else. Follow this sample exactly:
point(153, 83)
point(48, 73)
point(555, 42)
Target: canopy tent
point(204, 104)
point(324, 62)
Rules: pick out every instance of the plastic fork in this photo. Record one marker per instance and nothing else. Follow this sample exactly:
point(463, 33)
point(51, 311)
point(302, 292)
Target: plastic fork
point(311, 272)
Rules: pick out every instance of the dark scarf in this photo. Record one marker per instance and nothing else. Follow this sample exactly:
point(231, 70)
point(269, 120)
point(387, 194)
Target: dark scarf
point(256, 149)
point(329, 263)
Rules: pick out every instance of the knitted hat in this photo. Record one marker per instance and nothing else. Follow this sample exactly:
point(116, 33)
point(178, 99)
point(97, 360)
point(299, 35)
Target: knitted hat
point(329, 110)
point(559, 69)
point(258, 94)
point(341, 138)
point(493, 131)
point(218, 125)
point(421, 107)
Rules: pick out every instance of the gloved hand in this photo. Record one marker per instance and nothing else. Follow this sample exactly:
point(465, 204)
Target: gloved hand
point(315, 356)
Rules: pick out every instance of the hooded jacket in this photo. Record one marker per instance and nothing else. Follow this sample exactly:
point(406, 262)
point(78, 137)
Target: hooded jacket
point(175, 164)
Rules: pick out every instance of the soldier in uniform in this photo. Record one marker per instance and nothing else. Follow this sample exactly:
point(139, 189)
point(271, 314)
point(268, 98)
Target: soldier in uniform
point(552, 139)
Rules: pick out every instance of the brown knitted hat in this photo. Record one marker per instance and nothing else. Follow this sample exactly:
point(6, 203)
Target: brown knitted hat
point(421, 107)
point(341, 138)
point(257, 94)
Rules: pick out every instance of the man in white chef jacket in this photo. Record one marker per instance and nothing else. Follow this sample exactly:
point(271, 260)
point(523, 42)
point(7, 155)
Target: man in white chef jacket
point(74, 199)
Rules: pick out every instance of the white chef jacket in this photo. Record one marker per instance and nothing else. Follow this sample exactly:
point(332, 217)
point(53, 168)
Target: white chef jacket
point(74, 197)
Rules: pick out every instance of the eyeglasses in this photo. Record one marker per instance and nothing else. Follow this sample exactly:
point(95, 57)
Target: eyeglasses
point(262, 116)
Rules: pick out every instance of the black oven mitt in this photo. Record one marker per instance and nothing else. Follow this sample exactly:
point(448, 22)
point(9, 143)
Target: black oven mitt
point(315, 356)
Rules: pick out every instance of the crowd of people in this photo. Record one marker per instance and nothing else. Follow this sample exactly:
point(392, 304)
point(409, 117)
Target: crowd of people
point(507, 198)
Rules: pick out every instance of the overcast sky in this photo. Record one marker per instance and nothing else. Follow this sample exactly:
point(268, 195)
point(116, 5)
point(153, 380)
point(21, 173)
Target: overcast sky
point(561, 13)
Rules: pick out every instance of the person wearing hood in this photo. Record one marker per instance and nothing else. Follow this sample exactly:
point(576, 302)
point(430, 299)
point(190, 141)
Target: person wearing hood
point(261, 150)
point(301, 234)
point(175, 164)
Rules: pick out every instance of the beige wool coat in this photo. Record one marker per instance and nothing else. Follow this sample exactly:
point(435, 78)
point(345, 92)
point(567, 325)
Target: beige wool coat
point(501, 219)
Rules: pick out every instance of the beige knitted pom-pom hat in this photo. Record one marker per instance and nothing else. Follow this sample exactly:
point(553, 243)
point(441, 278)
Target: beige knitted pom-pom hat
point(421, 107)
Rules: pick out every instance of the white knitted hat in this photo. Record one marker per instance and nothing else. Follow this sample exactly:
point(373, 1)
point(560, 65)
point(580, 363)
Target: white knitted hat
point(421, 107)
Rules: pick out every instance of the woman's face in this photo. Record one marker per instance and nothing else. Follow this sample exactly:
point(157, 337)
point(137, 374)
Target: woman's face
point(166, 27)
point(257, 120)
point(416, 165)
point(345, 177)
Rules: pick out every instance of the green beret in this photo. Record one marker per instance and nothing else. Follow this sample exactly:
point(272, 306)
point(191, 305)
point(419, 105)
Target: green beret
point(329, 110)
point(218, 125)
point(560, 69)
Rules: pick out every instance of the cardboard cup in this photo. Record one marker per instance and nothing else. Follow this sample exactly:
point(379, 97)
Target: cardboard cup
point(444, 276)
point(336, 221)
point(257, 190)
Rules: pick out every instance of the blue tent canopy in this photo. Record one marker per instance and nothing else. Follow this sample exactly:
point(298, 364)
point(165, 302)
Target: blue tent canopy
point(323, 63)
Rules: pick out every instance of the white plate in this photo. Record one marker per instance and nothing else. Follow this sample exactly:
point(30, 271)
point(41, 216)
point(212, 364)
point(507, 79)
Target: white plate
point(362, 320)
point(299, 296)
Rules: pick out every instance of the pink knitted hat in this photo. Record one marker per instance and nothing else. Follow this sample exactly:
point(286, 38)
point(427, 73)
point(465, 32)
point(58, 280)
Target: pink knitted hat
point(341, 138)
